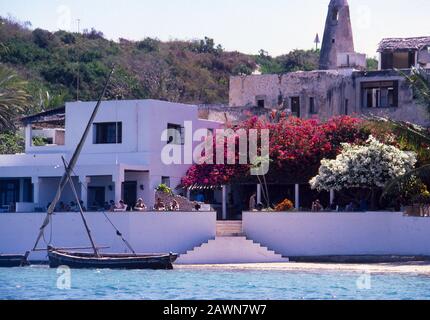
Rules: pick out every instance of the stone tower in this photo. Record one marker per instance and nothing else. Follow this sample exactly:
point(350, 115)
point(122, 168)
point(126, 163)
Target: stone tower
point(338, 38)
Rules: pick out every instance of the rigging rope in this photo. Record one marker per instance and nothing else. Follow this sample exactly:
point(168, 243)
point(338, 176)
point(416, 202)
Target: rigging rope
point(47, 243)
point(118, 233)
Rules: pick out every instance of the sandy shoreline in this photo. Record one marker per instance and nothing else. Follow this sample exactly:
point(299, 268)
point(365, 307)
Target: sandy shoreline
point(419, 268)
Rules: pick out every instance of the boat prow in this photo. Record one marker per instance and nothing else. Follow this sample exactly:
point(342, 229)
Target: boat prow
point(14, 260)
point(80, 260)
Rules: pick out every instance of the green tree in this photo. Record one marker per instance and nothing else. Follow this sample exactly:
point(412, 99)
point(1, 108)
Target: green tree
point(13, 98)
point(11, 143)
point(372, 64)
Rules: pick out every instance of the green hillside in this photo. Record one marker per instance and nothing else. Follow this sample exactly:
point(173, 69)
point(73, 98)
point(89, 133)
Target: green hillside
point(181, 71)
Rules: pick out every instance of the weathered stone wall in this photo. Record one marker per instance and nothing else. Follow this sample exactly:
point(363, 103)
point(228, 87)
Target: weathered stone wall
point(408, 109)
point(334, 93)
point(329, 89)
point(424, 57)
point(227, 114)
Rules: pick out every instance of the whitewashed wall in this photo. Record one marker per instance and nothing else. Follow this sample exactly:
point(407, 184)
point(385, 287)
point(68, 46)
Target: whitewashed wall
point(146, 232)
point(319, 234)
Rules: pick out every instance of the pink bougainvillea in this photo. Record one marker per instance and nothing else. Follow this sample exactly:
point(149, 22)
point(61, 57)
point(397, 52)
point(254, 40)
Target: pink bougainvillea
point(297, 147)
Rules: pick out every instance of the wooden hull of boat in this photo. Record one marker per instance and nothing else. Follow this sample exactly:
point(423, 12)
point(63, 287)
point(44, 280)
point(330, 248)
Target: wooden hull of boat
point(76, 260)
point(13, 260)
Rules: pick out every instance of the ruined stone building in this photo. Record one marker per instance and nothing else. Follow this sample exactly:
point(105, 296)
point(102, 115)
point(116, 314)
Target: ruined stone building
point(342, 86)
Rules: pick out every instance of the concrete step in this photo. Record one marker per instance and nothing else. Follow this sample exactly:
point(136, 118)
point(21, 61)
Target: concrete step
point(229, 229)
point(230, 250)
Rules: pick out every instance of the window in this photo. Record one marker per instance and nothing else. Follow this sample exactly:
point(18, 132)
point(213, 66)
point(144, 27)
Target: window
point(260, 101)
point(333, 40)
point(165, 181)
point(9, 192)
point(295, 106)
point(312, 107)
point(335, 16)
point(175, 134)
point(398, 60)
point(384, 94)
point(346, 106)
point(108, 133)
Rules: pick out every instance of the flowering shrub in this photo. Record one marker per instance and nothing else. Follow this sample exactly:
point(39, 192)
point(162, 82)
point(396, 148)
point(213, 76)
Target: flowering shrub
point(363, 166)
point(285, 205)
point(297, 147)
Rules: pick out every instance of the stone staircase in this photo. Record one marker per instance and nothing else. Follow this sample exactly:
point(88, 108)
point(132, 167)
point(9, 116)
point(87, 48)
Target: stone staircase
point(229, 229)
point(230, 247)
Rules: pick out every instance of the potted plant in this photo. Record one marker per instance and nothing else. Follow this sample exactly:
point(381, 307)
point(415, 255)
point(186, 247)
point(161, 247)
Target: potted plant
point(286, 205)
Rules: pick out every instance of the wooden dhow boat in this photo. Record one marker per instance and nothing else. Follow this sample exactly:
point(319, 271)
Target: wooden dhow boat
point(96, 259)
point(79, 260)
point(13, 260)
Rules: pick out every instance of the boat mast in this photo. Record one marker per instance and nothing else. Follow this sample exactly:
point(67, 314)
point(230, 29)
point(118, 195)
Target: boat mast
point(72, 163)
point(81, 211)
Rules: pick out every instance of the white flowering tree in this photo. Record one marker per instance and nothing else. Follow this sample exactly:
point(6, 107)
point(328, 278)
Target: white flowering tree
point(368, 166)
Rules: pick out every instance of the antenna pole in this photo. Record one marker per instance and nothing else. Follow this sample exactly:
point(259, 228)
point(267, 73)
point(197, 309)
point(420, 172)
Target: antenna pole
point(79, 63)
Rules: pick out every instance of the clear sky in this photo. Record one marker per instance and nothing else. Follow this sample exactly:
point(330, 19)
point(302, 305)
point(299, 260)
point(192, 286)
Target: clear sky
point(276, 26)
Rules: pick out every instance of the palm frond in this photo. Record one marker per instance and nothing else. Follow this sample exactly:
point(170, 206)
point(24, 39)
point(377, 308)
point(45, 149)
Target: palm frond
point(13, 97)
point(419, 80)
point(391, 187)
point(414, 134)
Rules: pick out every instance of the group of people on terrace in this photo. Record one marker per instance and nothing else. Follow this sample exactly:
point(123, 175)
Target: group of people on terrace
point(121, 206)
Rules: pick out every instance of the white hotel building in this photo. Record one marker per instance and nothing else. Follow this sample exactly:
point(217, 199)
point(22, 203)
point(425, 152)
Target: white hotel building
point(121, 158)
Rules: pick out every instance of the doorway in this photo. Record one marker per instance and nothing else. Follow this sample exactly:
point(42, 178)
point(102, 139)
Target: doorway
point(96, 197)
point(130, 193)
point(9, 192)
point(295, 106)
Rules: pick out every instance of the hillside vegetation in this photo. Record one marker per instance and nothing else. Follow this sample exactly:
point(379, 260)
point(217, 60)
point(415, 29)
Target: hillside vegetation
point(182, 71)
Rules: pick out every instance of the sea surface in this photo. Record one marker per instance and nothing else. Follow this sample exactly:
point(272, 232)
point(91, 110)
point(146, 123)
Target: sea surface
point(40, 282)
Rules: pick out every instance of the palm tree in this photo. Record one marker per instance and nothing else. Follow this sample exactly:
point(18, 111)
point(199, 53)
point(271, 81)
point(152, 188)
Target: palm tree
point(13, 98)
point(415, 137)
point(419, 79)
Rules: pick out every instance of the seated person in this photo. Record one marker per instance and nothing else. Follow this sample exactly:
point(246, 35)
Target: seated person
point(63, 207)
point(159, 205)
point(111, 206)
point(73, 206)
point(120, 207)
point(350, 207)
point(259, 207)
point(317, 206)
point(105, 207)
point(197, 206)
point(174, 205)
point(140, 205)
point(82, 205)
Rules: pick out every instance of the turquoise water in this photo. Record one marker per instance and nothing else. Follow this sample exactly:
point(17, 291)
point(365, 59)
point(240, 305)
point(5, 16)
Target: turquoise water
point(40, 282)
